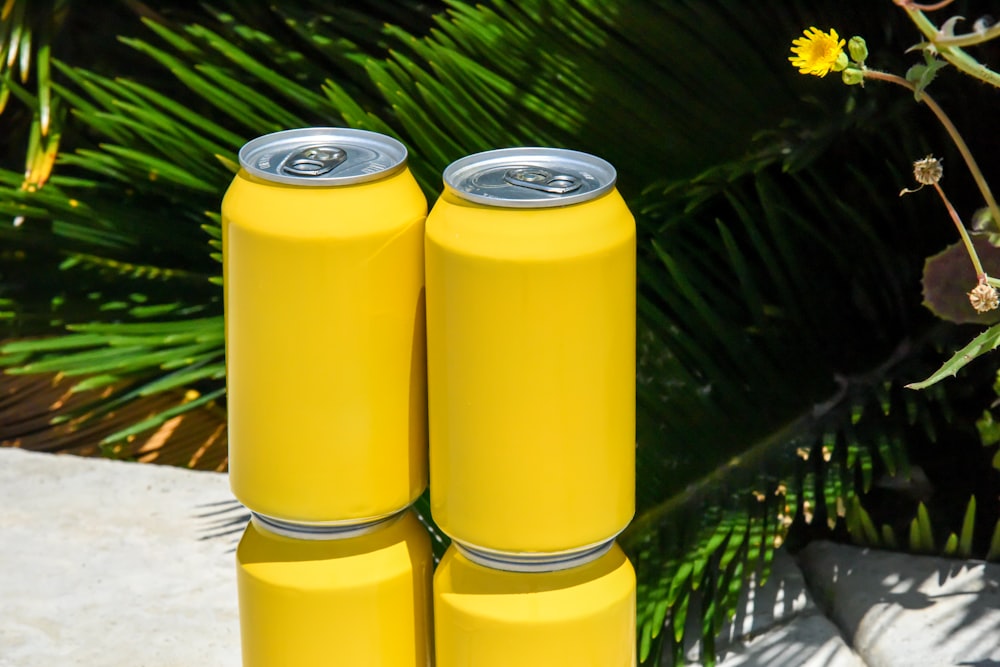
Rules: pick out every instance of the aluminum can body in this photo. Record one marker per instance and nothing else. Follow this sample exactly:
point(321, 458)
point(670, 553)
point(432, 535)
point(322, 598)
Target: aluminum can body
point(485, 617)
point(362, 600)
point(531, 355)
point(325, 347)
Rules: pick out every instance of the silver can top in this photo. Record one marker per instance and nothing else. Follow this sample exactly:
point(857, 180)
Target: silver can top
point(323, 156)
point(530, 177)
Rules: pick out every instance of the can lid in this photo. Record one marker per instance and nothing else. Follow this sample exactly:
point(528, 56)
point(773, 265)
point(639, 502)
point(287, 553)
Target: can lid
point(323, 156)
point(530, 177)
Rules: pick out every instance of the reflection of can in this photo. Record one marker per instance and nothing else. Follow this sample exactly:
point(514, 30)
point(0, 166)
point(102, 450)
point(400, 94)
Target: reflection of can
point(361, 600)
point(531, 352)
point(323, 256)
point(492, 618)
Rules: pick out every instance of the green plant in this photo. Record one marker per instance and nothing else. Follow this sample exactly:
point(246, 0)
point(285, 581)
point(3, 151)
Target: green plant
point(26, 35)
point(819, 53)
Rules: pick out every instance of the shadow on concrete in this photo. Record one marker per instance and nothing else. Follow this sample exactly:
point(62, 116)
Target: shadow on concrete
point(776, 625)
point(934, 610)
point(222, 520)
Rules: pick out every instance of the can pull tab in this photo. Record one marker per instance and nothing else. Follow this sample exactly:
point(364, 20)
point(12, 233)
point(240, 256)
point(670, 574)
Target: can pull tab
point(313, 160)
point(537, 178)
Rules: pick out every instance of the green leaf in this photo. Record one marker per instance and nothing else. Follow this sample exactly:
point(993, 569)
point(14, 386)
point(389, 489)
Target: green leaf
point(94, 382)
point(55, 343)
point(860, 525)
point(680, 582)
point(80, 363)
point(43, 76)
point(924, 537)
point(921, 76)
point(280, 84)
point(680, 615)
point(155, 168)
point(189, 118)
point(154, 310)
point(275, 112)
point(994, 551)
point(707, 551)
point(980, 345)
point(949, 275)
point(181, 327)
point(229, 104)
point(833, 494)
point(950, 545)
point(988, 428)
point(964, 549)
point(125, 359)
point(185, 377)
point(645, 641)
point(916, 546)
point(889, 537)
point(158, 419)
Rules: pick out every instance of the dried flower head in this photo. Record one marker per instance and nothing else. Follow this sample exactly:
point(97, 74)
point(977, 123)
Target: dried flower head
point(984, 298)
point(928, 171)
point(818, 52)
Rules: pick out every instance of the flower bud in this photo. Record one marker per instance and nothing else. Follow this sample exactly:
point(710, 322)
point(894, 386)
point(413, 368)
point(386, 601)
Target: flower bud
point(841, 62)
point(858, 48)
point(853, 76)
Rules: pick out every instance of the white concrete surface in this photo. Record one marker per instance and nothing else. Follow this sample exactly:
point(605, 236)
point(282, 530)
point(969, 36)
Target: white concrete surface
point(908, 610)
point(808, 640)
point(776, 625)
point(104, 564)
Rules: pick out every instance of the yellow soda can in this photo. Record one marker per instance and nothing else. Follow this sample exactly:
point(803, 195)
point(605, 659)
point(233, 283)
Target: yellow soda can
point(530, 269)
point(581, 615)
point(358, 596)
point(325, 346)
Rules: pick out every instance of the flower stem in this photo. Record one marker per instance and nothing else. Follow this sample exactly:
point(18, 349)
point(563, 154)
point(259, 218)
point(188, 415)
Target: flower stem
point(964, 233)
point(909, 4)
point(969, 38)
point(956, 137)
point(927, 8)
point(948, 47)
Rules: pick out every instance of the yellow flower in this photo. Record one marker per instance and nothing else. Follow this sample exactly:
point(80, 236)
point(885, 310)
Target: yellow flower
point(818, 52)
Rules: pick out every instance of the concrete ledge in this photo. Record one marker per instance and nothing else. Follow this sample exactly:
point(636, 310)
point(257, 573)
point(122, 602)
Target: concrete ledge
point(777, 625)
point(105, 563)
point(808, 640)
point(908, 610)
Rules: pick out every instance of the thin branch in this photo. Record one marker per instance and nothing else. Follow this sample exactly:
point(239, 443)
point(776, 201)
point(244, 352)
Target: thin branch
point(953, 132)
point(963, 232)
point(969, 38)
point(954, 55)
point(909, 4)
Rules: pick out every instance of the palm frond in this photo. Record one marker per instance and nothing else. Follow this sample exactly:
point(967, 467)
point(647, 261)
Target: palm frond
point(138, 359)
point(695, 549)
point(26, 35)
point(196, 439)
